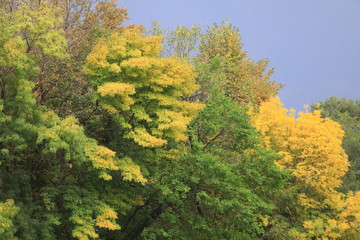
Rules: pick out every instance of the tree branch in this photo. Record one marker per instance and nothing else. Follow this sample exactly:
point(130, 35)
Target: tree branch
point(214, 138)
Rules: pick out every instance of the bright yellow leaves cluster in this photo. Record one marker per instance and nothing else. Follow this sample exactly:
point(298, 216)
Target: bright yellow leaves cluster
point(107, 219)
point(311, 145)
point(66, 134)
point(311, 150)
point(86, 225)
point(122, 46)
point(120, 90)
point(349, 214)
point(142, 90)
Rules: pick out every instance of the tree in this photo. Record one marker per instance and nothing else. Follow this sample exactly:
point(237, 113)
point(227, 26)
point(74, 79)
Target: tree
point(219, 59)
point(44, 158)
point(217, 186)
point(311, 150)
point(244, 80)
point(182, 42)
point(140, 90)
point(347, 113)
point(7, 212)
point(60, 83)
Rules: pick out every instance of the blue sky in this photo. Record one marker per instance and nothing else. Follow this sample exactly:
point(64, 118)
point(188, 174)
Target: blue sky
point(314, 45)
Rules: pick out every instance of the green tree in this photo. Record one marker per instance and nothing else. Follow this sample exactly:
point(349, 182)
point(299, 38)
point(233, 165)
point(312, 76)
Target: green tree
point(220, 60)
point(48, 165)
point(244, 80)
point(182, 42)
point(146, 112)
point(219, 185)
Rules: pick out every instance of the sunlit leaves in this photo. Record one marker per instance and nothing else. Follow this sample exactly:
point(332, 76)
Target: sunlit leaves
point(346, 112)
point(83, 206)
point(7, 211)
point(66, 135)
point(310, 144)
point(27, 30)
point(134, 84)
point(311, 150)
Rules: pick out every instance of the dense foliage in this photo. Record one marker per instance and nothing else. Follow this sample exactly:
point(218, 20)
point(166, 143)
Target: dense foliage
point(311, 150)
point(347, 113)
point(114, 132)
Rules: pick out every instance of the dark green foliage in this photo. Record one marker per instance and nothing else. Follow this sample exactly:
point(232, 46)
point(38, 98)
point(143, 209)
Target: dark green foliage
point(222, 187)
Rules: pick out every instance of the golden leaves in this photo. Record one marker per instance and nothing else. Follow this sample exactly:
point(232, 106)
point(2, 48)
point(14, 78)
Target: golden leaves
point(97, 57)
point(131, 44)
point(121, 90)
point(142, 90)
point(131, 171)
point(173, 124)
point(145, 139)
point(350, 214)
point(68, 136)
point(311, 150)
point(106, 219)
point(311, 145)
point(114, 88)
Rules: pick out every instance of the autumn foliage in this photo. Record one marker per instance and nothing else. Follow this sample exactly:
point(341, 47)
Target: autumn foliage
point(311, 150)
point(141, 90)
point(116, 132)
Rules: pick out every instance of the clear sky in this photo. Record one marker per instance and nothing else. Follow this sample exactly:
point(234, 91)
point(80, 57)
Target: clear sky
point(314, 45)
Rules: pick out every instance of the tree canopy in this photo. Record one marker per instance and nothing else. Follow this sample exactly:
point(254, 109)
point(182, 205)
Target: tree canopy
point(117, 132)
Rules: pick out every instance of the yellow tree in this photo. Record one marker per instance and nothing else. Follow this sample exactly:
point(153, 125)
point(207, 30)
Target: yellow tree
point(141, 90)
point(312, 152)
point(144, 112)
